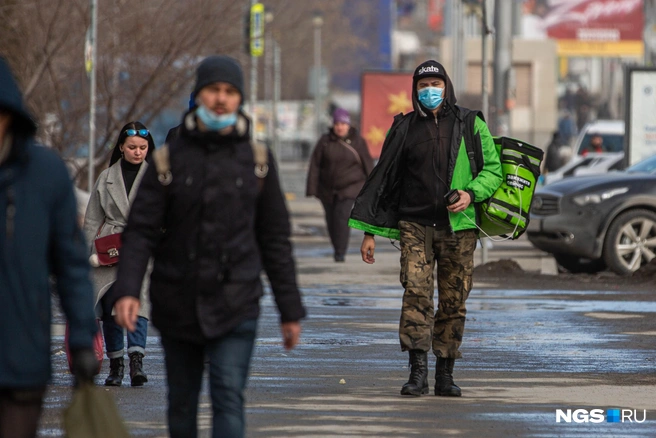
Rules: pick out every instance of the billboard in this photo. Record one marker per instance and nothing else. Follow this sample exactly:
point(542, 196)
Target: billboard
point(384, 95)
point(640, 137)
point(587, 27)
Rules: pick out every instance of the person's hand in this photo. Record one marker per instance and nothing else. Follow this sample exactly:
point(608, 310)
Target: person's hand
point(84, 364)
point(462, 203)
point(127, 309)
point(291, 333)
point(367, 249)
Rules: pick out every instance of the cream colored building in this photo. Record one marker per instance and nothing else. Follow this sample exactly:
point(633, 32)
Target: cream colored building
point(535, 114)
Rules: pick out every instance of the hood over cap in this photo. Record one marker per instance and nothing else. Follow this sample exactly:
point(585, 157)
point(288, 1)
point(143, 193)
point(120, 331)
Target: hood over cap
point(434, 69)
point(11, 100)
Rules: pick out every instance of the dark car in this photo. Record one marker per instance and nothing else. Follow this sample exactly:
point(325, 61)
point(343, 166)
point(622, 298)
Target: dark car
point(596, 222)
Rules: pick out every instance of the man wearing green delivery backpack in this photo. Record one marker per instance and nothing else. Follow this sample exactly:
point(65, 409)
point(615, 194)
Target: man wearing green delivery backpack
point(422, 193)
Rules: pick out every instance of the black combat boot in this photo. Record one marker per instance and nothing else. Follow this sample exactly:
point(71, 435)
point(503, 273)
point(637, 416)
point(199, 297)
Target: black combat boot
point(116, 368)
point(418, 381)
point(444, 378)
point(137, 376)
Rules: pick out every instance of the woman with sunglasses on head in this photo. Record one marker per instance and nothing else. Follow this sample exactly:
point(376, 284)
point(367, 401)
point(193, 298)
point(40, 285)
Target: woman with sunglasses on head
point(107, 214)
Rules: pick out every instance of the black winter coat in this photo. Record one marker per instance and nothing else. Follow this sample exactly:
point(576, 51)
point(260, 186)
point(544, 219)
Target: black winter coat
point(211, 231)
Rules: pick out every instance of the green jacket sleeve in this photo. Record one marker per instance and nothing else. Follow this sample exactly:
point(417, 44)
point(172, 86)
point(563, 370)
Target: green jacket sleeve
point(490, 177)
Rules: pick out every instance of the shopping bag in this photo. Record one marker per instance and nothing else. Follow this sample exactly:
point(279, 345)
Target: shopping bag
point(93, 413)
point(97, 347)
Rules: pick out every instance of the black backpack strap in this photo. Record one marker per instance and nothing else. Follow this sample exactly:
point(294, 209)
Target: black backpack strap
point(473, 144)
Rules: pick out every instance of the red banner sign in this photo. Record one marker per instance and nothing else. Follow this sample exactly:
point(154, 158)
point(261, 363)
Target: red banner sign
point(384, 95)
point(595, 20)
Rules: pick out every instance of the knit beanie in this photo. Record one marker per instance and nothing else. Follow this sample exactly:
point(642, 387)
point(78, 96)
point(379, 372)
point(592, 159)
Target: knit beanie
point(219, 68)
point(340, 115)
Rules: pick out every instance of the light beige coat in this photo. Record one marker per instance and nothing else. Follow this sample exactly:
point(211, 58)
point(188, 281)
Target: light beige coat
point(109, 207)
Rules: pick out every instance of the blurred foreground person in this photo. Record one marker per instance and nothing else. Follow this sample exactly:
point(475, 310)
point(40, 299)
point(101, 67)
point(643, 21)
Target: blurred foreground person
point(107, 214)
point(338, 169)
point(39, 236)
point(213, 216)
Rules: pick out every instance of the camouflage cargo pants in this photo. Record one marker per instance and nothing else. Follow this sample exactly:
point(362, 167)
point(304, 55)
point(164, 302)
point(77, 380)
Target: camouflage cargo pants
point(421, 248)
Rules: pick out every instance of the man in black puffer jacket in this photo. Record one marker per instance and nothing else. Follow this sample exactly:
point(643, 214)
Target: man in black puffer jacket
point(211, 229)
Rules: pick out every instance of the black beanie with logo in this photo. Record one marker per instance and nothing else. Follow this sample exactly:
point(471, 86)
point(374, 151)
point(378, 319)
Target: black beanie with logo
point(219, 68)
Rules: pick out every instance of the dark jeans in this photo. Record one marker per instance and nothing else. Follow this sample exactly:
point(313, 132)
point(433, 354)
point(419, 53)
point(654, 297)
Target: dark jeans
point(19, 411)
point(229, 359)
point(337, 216)
point(114, 337)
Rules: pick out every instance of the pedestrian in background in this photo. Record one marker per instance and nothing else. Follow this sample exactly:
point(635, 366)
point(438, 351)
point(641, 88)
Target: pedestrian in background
point(566, 128)
point(554, 158)
point(107, 214)
point(339, 166)
point(212, 217)
point(412, 194)
point(39, 237)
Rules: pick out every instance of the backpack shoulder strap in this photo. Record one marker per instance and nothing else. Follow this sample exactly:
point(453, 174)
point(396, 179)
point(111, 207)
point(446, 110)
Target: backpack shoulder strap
point(261, 159)
point(473, 142)
point(163, 164)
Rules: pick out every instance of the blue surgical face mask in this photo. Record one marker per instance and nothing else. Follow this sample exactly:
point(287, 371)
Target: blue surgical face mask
point(213, 121)
point(431, 97)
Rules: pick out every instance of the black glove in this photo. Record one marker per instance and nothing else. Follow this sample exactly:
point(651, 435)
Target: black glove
point(85, 364)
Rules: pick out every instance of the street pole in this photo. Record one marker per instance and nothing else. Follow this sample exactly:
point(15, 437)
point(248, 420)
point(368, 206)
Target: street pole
point(268, 76)
point(253, 97)
point(502, 64)
point(276, 98)
point(92, 95)
point(317, 22)
point(456, 45)
point(485, 30)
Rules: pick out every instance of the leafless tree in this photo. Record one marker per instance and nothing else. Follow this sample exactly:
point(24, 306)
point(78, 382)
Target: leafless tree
point(147, 53)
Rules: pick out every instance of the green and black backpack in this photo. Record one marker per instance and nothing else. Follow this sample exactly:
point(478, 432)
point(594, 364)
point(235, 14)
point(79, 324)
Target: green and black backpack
point(506, 212)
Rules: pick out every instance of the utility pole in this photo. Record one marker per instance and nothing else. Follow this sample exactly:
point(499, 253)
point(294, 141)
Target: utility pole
point(276, 98)
point(458, 47)
point(92, 94)
point(502, 64)
point(253, 97)
point(317, 22)
point(485, 31)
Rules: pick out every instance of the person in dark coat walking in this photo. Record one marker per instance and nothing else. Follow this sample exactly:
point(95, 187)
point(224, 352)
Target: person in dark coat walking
point(212, 219)
point(554, 160)
point(339, 166)
point(39, 237)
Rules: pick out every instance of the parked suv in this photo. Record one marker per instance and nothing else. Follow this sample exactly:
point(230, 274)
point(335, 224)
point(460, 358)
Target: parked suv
point(589, 223)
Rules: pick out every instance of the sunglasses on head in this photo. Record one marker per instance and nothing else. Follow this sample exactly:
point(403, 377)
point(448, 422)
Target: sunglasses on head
point(139, 132)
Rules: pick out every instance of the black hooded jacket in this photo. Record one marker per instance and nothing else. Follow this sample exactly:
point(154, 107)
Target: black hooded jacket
point(427, 154)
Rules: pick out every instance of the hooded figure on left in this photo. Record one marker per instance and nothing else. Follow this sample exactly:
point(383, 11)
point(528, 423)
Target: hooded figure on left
point(39, 237)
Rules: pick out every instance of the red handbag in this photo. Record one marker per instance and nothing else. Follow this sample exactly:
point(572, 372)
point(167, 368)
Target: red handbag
point(107, 248)
point(97, 347)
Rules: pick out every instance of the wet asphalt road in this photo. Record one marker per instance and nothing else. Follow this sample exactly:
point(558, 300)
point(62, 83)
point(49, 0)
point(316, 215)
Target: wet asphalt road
point(526, 354)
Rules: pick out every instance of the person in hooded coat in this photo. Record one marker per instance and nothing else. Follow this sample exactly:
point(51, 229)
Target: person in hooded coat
point(423, 159)
point(39, 238)
point(338, 169)
point(107, 213)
